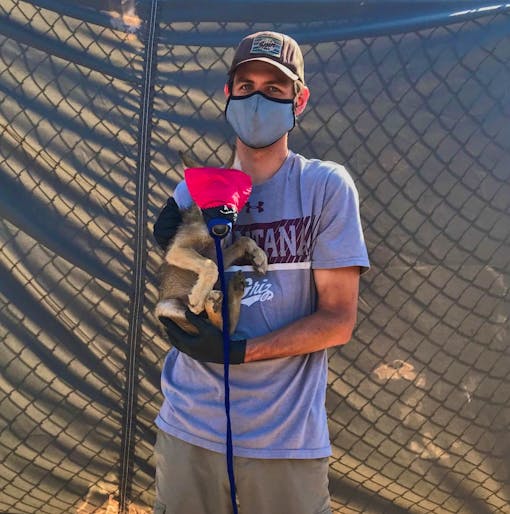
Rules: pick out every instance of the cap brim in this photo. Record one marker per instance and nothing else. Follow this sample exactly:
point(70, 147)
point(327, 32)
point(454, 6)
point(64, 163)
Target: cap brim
point(278, 65)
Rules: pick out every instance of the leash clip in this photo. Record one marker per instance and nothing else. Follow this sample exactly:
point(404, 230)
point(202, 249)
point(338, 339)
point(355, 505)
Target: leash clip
point(219, 227)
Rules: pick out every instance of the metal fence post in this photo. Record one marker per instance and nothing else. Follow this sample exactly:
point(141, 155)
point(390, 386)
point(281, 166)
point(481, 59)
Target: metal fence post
point(140, 255)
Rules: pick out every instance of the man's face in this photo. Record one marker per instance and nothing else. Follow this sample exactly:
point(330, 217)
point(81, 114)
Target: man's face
point(265, 78)
point(262, 77)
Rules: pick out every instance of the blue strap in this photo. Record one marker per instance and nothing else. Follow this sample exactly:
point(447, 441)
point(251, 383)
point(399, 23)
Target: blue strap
point(226, 362)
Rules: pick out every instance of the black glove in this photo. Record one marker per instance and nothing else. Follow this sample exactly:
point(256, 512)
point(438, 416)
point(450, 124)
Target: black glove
point(167, 224)
point(207, 345)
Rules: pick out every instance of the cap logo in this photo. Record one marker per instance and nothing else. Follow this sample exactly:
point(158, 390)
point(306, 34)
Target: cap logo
point(267, 45)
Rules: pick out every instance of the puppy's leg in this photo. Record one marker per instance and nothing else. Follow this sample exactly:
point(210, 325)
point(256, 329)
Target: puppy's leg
point(206, 270)
point(213, 308)
point(246, 246)
point(235, 293)
point(169, 308)
point(174, 309)
point(213, 303)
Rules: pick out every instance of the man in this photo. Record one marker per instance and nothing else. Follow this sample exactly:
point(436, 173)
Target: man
point(305, 215)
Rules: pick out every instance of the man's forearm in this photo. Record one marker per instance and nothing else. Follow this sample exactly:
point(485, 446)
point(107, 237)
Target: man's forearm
point(320, 330)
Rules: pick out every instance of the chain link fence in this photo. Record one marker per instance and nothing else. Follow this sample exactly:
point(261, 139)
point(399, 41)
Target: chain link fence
point(95, 106)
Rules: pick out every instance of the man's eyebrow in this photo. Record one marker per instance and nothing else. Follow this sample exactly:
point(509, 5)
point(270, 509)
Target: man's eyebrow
point(241, 78)
point(276, 81)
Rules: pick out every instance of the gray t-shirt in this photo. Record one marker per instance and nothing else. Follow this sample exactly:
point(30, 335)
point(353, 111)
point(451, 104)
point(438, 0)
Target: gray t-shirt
point(305, 217)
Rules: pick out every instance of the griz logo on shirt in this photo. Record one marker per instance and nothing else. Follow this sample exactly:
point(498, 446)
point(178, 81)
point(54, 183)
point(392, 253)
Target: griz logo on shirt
point(257, 291)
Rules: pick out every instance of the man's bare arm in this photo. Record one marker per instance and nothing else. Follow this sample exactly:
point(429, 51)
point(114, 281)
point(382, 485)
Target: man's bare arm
point(331, 325)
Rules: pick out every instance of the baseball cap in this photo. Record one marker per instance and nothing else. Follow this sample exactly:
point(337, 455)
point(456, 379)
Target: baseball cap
point(274, 48)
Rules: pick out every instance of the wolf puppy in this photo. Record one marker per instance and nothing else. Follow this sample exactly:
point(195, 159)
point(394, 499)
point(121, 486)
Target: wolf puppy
point(189, 274)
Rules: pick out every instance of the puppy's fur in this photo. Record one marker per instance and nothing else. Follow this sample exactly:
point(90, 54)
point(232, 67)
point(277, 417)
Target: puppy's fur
point(189, 273)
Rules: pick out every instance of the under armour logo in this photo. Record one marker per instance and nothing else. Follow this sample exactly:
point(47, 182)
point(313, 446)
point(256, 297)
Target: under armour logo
point(259, 206)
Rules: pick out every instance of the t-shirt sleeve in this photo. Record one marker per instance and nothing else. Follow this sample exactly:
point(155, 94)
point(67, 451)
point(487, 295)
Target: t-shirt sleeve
point(182, 196)
point(339, 240)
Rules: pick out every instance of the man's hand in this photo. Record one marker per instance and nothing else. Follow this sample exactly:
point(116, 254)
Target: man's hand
point(207, 345)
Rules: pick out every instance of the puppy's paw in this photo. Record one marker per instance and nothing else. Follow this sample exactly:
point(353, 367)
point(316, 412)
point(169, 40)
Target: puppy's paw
point(213, 309)
point(213, 302)
point(196, 300)
point(196, 308)
point(259, 260)
point(237, 284)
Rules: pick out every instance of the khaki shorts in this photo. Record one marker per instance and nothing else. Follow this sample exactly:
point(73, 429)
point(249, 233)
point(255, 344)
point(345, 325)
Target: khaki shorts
point(193, 480)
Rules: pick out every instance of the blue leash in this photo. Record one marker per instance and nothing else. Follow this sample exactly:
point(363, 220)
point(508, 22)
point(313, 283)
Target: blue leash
point(226, 362)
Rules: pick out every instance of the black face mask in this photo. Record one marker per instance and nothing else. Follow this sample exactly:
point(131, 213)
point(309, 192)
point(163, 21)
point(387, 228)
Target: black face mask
point(259, 120)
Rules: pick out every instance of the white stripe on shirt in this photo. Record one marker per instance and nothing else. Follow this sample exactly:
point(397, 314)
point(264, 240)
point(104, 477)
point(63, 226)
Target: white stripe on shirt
point(274, 267)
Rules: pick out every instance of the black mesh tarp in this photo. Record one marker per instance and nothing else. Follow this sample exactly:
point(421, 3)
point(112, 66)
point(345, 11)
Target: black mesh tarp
point(96, 101)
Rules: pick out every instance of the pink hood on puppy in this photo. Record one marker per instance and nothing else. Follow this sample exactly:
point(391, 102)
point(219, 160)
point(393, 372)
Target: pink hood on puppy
point(215, 187)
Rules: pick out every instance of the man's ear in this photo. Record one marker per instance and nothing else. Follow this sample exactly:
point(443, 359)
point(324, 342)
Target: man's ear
point(301, 100)
point(226, 90)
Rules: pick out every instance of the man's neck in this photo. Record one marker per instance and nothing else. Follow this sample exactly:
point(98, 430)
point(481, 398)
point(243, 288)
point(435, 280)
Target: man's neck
point(261, 163)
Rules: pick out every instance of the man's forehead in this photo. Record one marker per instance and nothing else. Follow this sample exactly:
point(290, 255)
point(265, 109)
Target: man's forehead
point(251, 69)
